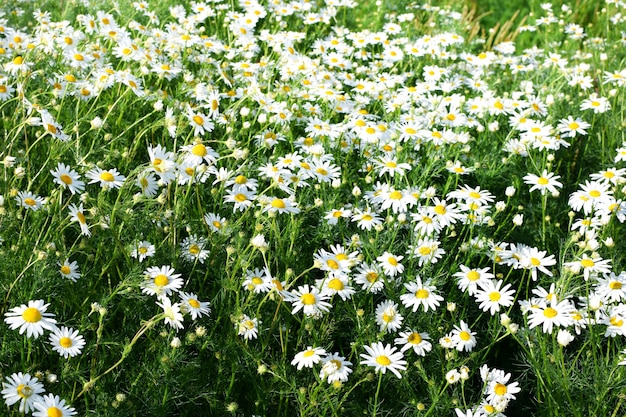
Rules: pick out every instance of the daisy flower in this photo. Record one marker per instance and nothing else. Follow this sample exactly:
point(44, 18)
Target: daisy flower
point(148, 183)
point(570, 127)
point(66, 341)
point(197, 153)
point(68, 178)
point(612, 287)
point(416, 340)
point(248, 327)
point(162, 163)
point(189, 304)
point(366, 219)
point(173, 316)
point(547, 181)
point(193, 249)
point(387, 316)
point(281, 205)
point(370, 278)
point(383, 358)
point(470, 278)
point(199, 122)
point(535, 260)
point(142, 250)
point(69, 270)
point(29, 200)
point(420, 294)
point(492, 296)
point(23, 388)
point(215, 222)
point(257, 281)
point(590, 266)
point(240, 197)
point(595, 103)
point(332, 217)
point(463, 337)
point(335, 368)
point(556, 314)
point(390, 263)
point(336, 284)
point(161, 281)
point(77, 214)
point(310, 301)
point(389, 165)
point(309, 357)
point(52, 405)
point(31, 318)
point(108, 179)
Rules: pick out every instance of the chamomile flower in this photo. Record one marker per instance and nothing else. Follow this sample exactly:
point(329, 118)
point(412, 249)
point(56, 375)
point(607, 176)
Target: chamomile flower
point(336, 284)
point(420, 294)
point(23, 388)
point(68, 178)
point(69, 270)
point(77, 214)
point(107, 178)
point(555, 314)
point(200, 123)
point(389, 165)
point(590, 266)
point(161, 281)
point(384, 358)
point(412, 339)
point(366, 219)
point(612, 287)
point(172, 313)
point(570, 127)
point(492, 296)
point(240, 197)
point(370, 277)
point(29, 200)
point(197, 153)
point(258, 281)
point(52, 405)
point(388, 317)
point(310, 301)
point(248, 327)
point(332, 217)
point(463, 337)
point(31, 318)
point(335, 368)
point(390, 263)
point(189, 304)
point(193, 249)
point(309, 357)
point(66, 341)
point(142, 250)
point(215, 222)
point(281, 205)
point(547, 181)
point(148, 183)
point(470, 278)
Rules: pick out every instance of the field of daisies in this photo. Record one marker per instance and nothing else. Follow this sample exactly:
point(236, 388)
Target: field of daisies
point(311, 208)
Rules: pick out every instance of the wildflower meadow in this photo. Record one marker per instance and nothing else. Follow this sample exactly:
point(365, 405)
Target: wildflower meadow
point(312, 208)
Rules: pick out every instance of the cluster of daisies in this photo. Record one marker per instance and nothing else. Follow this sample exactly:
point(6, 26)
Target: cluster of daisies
point(269, 125)
point(34, 320)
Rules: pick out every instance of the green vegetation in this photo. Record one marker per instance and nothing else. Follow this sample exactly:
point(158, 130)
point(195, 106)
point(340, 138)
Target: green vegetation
point(314, 208)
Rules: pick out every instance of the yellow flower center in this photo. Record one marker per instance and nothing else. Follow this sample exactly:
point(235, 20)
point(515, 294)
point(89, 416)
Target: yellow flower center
point(31, 315)
point(392, 261)
point(308, 299)
point(332, 264)
point(535, 261)
point(388, 315)
point(198, 120)
point(107, 177)
point(278, 203)
point(321, 171)
point(499, 389)
point(474, 194)
point(240, 198)
point(367, 217)
point(473, 275)
point(383, 360)
point(391, 164)
point(66, 179)
point(24, 391)
point(199, 150)
point(79, 57)
point(550, 312)
point(595, 193)
point(494, 296)
point(424, 251)
point(18, 60)
point(81, 217)
point(3, 88)
point(335, 284)
point(465, 336)
point(194, 249)
point(309, 353)
point(410, 131)
point(161, 280)
point(542, 181)
point(615, 321)
point(217, 224)
point(587, 263)
point(193, 303)
point(371, 277)
point(422, 293)
point(30, 202)
point(573, 126)
point(65, 342)
point(65, 270)
point(615, 285)
point(395, 195)
point(415, 338)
